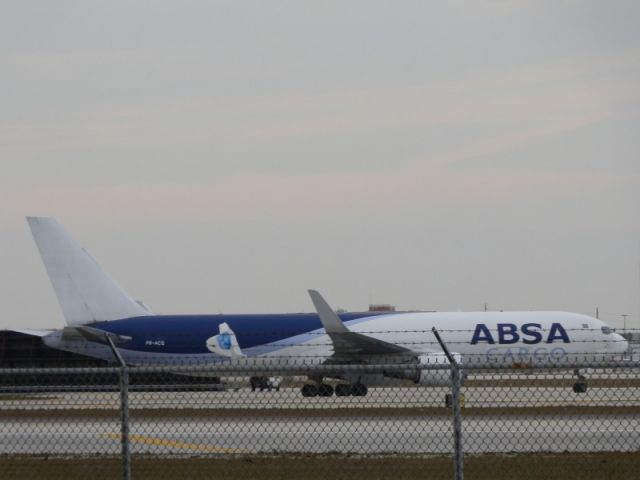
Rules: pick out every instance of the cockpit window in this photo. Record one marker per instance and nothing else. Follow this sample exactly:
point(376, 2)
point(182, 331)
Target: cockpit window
point(606, 330)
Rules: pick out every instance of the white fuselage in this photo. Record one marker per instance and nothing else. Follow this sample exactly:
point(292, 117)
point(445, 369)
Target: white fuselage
point(485, 338)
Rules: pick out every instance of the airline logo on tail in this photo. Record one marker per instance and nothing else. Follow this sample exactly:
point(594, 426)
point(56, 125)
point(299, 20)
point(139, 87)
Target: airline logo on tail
point(225, 343)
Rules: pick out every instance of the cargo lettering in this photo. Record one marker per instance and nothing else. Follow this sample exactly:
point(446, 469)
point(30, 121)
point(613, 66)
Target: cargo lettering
point(525, 356)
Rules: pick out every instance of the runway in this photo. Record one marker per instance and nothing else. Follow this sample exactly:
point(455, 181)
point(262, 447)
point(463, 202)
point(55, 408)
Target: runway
point(321, 435)
point(290, 398)
point(195, 423)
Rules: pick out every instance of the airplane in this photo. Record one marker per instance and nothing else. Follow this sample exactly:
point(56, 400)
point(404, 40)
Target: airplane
point(100, 315)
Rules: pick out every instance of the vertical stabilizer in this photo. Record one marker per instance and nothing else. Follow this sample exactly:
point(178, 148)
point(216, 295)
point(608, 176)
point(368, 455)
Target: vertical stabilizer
point(86, 293)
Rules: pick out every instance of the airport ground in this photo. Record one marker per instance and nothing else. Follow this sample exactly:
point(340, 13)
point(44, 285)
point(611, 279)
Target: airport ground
point(525, 428)
point(320, 435)
point(498, 419)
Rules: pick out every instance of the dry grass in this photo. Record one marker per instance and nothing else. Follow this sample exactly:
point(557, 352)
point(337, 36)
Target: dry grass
point(597, 466)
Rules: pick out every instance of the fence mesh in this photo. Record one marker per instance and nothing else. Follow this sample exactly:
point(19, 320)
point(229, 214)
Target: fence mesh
point(211, 422)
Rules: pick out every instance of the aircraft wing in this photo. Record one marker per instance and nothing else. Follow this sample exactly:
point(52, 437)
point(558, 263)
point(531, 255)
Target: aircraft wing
point(347, 343)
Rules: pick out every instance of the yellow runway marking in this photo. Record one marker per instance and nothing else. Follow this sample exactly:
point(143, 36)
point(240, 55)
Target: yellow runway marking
point(165, 442)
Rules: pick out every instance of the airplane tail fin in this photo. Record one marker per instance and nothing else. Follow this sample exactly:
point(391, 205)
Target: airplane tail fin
point(86, 293)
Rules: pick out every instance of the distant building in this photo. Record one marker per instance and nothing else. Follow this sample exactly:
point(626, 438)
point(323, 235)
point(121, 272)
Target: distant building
point(381, 307)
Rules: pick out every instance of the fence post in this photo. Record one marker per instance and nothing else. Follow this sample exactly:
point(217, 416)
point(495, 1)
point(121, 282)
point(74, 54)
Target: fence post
point(458, 454)
point(124, 411)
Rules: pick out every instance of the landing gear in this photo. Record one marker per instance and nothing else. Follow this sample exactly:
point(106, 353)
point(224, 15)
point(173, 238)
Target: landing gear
point(309, 390)
point(325, 390)
point(341, 390)
point(581, 385)
point(320, 390)
point(358, 390)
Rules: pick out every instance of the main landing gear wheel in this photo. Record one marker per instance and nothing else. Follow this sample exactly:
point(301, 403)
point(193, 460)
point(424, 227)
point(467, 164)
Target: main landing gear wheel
point(346, 389)
point(358, 390)
point(343, 390)
point(325, 390)
point(309, 390)
point(321, 390)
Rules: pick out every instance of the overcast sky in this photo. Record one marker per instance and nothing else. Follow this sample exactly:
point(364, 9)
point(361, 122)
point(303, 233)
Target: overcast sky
point(225, 156)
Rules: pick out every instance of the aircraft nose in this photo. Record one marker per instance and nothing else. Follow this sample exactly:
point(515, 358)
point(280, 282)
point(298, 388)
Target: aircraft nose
point(620, 344)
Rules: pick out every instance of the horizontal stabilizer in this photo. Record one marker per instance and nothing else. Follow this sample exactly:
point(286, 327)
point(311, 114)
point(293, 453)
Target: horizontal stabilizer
point(33, 333)
point(100, 336)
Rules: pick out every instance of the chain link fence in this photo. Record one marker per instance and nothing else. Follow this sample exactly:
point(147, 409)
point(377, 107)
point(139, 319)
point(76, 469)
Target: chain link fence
point(252, 421)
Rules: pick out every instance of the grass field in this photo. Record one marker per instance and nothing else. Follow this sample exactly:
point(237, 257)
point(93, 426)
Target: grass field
point(596, 466)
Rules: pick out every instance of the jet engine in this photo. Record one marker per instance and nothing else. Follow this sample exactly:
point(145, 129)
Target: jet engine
point(421, 374)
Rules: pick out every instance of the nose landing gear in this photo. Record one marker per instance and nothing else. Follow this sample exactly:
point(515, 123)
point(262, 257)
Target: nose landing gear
point(581, 385)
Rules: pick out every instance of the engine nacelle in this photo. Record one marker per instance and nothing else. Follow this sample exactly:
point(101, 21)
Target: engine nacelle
point(420, 373)
point(439, 377)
